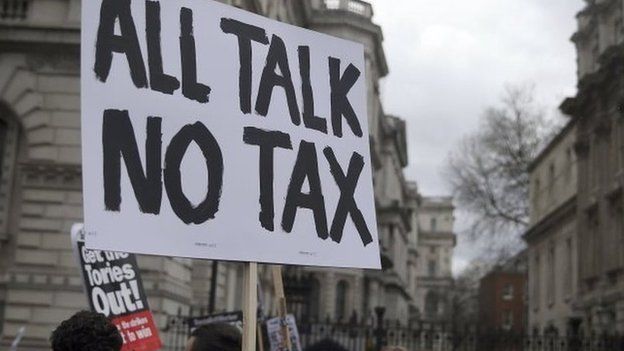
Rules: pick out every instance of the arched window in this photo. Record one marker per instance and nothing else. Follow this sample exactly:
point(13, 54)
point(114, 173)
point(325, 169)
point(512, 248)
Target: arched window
point(342, 289)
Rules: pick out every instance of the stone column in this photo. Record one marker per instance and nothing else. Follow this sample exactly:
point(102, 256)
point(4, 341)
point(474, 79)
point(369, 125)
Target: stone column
point(357, 296)
point(329, 295)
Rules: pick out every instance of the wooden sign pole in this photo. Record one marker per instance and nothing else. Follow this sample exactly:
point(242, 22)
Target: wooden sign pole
point(280, 296)
point(260, 337)
point(250, 307)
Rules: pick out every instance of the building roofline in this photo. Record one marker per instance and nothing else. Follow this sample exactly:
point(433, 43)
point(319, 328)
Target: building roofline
point(568, 208)
point(552, 144)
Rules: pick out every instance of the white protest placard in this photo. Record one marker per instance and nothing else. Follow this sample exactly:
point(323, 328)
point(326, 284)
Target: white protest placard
point(113, 285)
point(211, 132)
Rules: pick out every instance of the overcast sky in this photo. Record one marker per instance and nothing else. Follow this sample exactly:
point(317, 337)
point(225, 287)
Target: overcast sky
point(450, 59)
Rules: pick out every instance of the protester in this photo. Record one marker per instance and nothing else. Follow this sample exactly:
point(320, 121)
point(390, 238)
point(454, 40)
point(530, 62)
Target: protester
point(86, 331)
point(215, 337)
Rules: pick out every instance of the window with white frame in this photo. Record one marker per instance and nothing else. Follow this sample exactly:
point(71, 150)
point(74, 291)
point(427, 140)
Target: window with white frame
point(508, 292)
point(507, 320)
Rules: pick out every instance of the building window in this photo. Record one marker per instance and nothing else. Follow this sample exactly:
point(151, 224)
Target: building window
point(432, 268)
point(507, 319)
point(16, 10)
point(9, 137)
point(391, 241)
point(2, 308)
point(620, 127)
point(596, 163)
point(551, 178)
point(536, 195)
point(617, 217)
point(508, 292)
point(567, 280)
point(614, 149)
point(314, 303)
point(535, 291)
point(569, 165)
point(431, 305)
point(591, 247)
point(551, 275)
point(342, 289)
point(434, 224)
point(4, 129)
point(617, 30)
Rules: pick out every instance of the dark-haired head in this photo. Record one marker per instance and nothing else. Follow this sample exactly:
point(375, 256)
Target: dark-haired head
point(215, 337)
point(86, 331)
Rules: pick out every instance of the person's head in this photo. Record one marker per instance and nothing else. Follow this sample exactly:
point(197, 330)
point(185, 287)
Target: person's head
point(215, 337)
point(86, 331)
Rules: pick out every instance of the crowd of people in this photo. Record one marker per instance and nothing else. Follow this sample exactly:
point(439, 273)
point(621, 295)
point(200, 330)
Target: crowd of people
point(90, 331)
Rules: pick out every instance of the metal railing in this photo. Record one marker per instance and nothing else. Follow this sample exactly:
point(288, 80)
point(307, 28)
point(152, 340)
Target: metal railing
point(14, 10)
point(421, 337)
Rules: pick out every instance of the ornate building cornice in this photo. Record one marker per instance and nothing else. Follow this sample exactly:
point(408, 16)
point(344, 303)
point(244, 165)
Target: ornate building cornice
point(592, 84)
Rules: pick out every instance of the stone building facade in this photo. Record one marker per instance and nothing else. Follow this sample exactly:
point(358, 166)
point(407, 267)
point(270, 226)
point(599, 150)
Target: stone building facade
point(597, 109)
point(553, 237)
point(40, 185)
point(436, 241)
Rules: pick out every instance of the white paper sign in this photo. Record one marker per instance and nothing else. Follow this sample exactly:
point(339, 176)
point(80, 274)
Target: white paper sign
point(211, 132)
point(276, 338)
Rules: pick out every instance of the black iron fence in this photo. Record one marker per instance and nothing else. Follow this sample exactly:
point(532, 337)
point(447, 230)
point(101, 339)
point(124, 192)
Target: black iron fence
point(421, 337)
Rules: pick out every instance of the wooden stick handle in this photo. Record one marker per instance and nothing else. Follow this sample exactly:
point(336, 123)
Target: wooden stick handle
point(250, 307)
point(280, 296)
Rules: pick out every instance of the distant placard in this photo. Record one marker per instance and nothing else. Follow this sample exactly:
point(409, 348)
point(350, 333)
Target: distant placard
point(114, 288)
point(211, 132)
point(276, 337)
point(234, 318)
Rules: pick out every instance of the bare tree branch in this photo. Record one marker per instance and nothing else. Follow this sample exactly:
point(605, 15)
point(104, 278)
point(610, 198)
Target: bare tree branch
point(488, 172)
